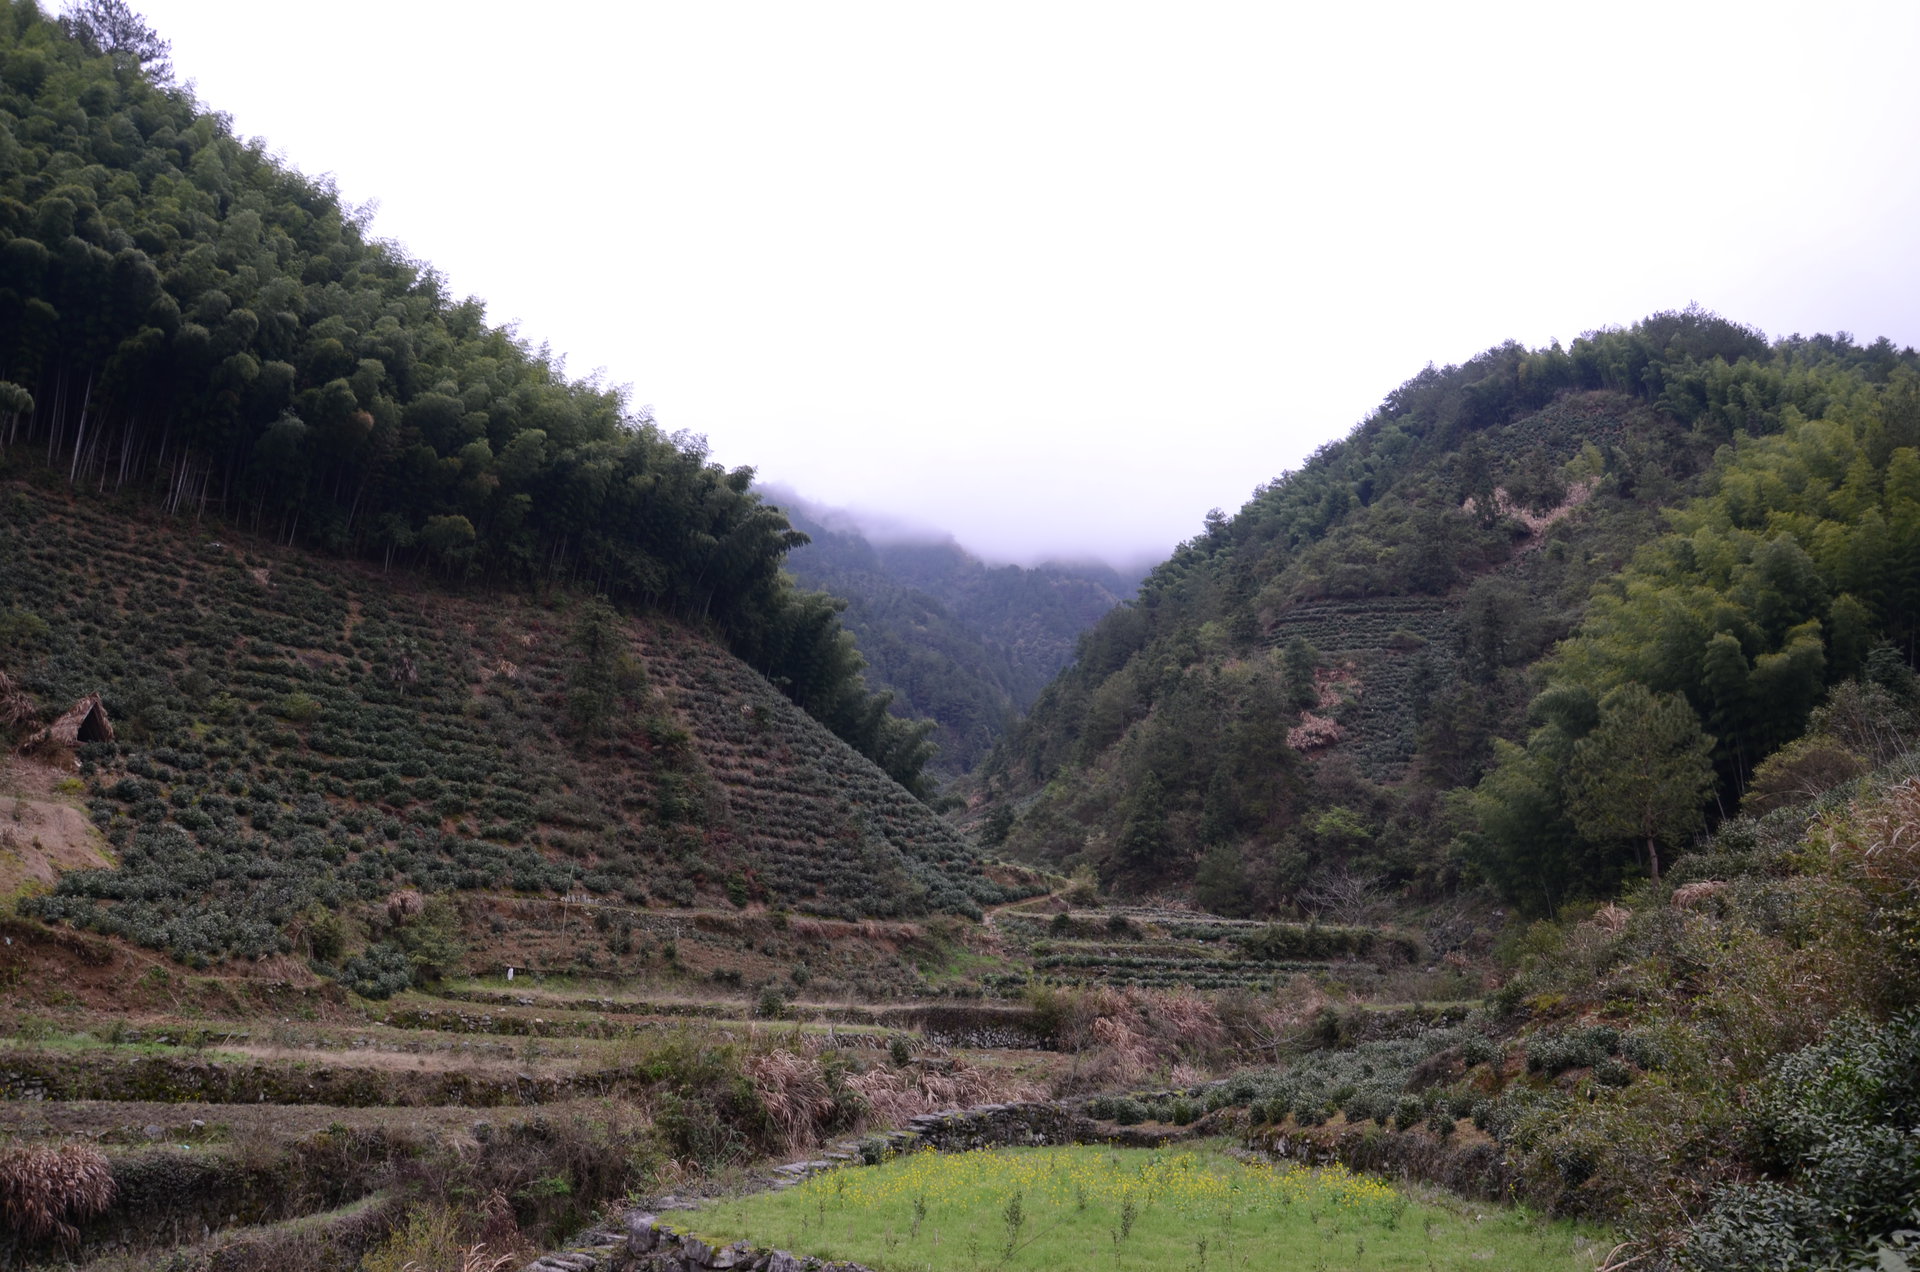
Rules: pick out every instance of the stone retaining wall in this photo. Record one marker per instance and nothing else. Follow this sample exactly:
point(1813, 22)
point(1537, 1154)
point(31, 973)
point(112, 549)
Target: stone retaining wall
point(986, 1026)
point(1471, 1166)
point(648, 1245)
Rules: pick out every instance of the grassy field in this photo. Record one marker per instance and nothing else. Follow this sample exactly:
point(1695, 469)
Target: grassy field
point(1091, 1207)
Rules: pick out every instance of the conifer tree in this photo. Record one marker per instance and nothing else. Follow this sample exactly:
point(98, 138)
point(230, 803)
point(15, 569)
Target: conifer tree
point(1644, 774)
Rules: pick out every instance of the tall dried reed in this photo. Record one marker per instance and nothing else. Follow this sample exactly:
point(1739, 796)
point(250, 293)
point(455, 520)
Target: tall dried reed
point(43, 1187)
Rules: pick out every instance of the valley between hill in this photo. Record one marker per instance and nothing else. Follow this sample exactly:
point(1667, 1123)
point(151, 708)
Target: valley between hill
point(435, 821)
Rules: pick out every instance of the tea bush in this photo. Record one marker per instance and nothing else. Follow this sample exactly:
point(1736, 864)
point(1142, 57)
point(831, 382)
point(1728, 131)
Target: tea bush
point(380, 971)
point(1841, 1119)
point(301, 735)
point(1554, 1051)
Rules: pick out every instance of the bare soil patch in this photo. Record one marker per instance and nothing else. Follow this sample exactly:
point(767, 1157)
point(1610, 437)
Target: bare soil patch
point(42, 834)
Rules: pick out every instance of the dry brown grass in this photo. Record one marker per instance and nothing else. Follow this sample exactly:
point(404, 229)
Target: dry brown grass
point(793, 1089)
point(16, 705)
point(1872, 899)
point(1891, 855)
point(877, 931)
point(894, 1095)
point(42, 835)
point(1119, 1037)
point(474, 1259)
point(797, 1087)
point(1688, 896)
point(403, 905)
point(44, 1186)
point(1127, 1057)
point(1183, 1017)
point(1613, 918)
point(1313, 732)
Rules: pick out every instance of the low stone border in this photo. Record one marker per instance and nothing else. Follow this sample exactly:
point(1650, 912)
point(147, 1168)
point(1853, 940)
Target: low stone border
point(597, 1251)
point(1470, 1166)
point(654, 1247)
point(649, 1246)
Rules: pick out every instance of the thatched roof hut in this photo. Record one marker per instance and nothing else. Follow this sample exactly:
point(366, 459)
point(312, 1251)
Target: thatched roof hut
point(85, 721)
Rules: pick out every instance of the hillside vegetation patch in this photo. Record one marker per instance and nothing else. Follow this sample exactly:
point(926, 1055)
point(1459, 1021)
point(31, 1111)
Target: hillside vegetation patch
point(291, 760)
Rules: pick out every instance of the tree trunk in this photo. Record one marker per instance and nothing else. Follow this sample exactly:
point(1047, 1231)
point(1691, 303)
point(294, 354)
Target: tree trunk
point(80, 438)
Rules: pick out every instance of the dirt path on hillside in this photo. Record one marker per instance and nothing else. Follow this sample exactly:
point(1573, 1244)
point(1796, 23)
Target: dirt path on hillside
point(989, 917)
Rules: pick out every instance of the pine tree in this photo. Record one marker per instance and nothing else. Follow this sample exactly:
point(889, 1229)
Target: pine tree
point(1644, 774)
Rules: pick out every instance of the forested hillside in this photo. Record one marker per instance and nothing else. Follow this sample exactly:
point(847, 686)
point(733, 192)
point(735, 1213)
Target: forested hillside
point(420, 794)
point(1295, 693)
point(966, 644)
point(184, 316)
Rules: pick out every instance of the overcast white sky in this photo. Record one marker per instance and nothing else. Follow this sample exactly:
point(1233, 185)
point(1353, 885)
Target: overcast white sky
point(1059, 278)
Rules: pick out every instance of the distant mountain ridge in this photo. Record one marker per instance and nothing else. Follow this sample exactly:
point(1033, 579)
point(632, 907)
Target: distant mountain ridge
point(965, 643)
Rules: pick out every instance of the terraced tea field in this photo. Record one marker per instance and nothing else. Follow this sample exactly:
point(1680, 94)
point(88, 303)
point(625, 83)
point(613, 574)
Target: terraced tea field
point(1386, 653)
point(252, 1123)
point(297, 738)
point(1146, 947)
point(355, 918)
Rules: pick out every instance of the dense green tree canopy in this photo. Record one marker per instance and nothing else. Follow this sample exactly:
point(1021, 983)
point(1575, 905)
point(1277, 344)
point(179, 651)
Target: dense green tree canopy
point(1770, 588)
point(182, 313)
point(963, 642)
point(1727, 524)
point(1642, 774)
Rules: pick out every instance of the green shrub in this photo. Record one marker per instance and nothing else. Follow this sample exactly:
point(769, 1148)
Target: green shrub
point(772, 1004)
point(1124, 1109)
point(695, 1131)
point(431, 939)
point(297, 707)
point(1608, 1071)
point(380, 971)
point(1555, 1051)
point(1762, 1225)
point(1843, 1116)
point(326, 933)
point(1644, 1049)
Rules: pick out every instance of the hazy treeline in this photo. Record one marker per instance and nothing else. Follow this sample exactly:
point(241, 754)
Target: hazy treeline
point(967, 644)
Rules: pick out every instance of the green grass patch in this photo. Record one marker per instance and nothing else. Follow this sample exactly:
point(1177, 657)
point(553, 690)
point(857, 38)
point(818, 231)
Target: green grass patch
point(1101, 1208)
point(81, 1041)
